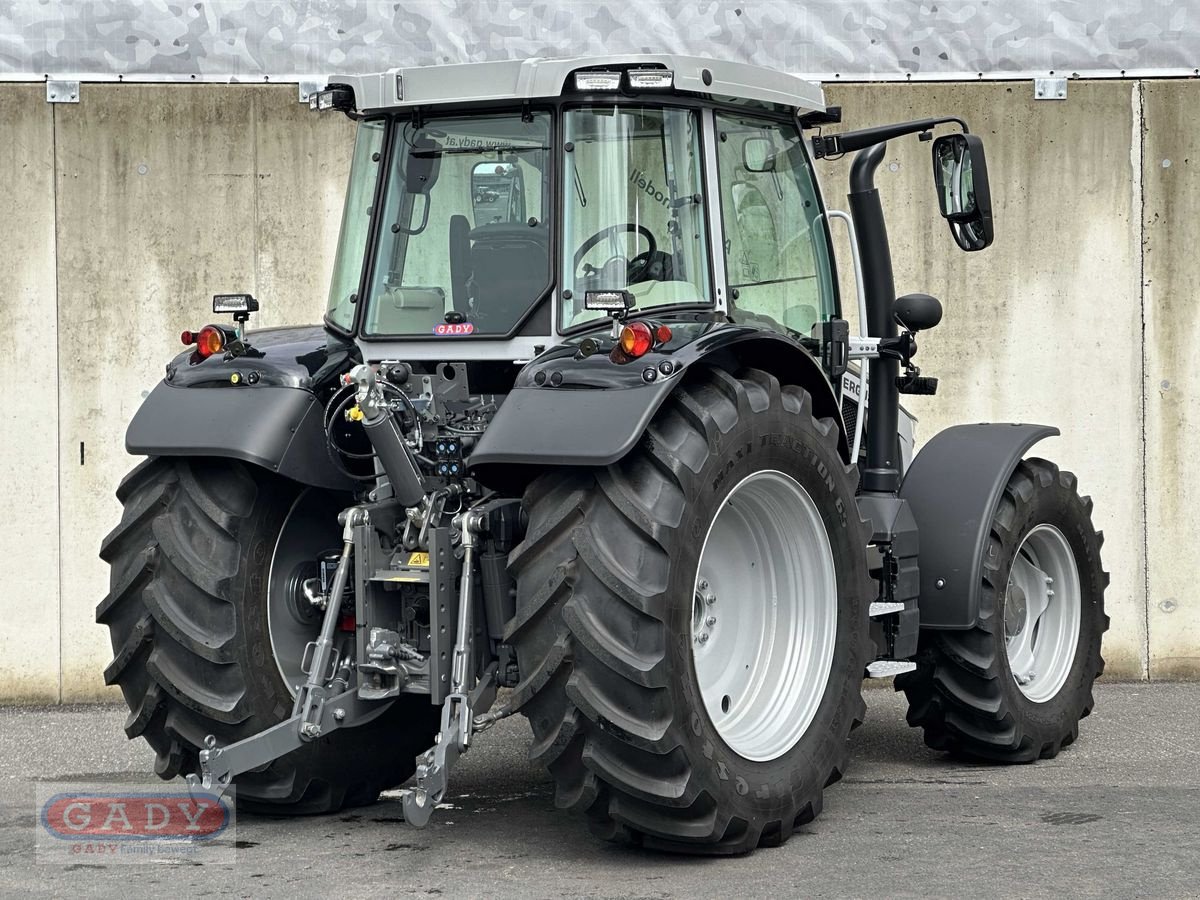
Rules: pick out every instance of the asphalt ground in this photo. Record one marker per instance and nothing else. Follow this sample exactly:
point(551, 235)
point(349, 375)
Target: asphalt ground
point(1115, 815)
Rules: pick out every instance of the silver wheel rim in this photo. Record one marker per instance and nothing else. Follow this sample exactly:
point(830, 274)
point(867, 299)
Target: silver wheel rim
point(291, 623)
point(764, 616)
point(1041, 613)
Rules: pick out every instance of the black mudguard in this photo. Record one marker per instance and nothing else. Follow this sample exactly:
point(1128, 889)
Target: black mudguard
point(278, 428)
point(574, 428)
point(952, 487)
point(572, 409)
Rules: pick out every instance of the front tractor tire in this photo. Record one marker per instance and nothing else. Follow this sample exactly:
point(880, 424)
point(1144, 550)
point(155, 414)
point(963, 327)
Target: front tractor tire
point(187, 612)
point(692, 622)
point(1014, 688)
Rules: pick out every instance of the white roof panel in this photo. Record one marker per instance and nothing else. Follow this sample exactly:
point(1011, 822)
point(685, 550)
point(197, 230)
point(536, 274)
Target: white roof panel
point(531, 79)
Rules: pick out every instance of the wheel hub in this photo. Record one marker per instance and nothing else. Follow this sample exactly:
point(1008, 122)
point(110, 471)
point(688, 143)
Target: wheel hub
point(1042, 612)
point(703, 618)
point(1016, 611)
point(292, 621)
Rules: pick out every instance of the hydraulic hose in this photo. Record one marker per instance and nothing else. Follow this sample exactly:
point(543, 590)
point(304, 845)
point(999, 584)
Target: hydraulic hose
point(379, 423)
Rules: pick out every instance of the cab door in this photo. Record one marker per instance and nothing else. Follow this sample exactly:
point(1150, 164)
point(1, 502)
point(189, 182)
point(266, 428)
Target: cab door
point(777, 253)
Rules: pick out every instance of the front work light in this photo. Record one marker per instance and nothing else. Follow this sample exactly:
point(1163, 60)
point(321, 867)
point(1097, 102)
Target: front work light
point(597, 81)
point(642, 79)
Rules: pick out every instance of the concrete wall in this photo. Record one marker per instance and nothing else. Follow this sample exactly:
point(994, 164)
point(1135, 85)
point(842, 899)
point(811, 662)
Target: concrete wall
point(1045, 325)
point(129, 209)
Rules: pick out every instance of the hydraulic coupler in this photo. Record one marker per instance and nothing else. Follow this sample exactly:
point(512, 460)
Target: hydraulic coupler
point(379, 422)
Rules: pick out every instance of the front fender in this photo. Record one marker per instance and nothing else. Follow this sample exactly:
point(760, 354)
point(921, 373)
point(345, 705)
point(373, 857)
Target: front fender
point(280, 429)
point(953, 487)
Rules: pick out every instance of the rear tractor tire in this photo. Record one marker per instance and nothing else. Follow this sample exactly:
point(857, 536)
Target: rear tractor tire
point(203, 569)
point(1013, 688)
point(692, 623)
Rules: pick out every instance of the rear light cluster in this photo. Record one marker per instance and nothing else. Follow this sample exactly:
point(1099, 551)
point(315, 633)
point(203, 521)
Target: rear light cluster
point(639, 338)
point(208, 340)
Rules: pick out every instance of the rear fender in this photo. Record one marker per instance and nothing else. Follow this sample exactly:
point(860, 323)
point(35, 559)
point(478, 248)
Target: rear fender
point(953, 487)
point(280, 429)
point(568, 409)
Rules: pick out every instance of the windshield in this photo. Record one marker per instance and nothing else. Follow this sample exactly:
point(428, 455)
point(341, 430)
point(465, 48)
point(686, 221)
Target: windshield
point(633, 216)
point(356, 219)
point(464, 247)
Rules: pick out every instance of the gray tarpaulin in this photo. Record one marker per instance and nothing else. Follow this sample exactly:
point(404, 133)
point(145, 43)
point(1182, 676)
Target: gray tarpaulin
point(848, 39)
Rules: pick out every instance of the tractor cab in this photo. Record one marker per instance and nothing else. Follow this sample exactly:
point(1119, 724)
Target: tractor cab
point(683, 182)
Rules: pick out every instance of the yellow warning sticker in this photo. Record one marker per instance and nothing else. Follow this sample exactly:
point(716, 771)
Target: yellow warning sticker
point(419, 559)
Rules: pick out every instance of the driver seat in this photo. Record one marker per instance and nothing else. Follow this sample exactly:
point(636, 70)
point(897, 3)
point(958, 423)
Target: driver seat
point(509, 267)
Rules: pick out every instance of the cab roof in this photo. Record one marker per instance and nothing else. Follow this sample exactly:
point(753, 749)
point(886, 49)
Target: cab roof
point(532, 79)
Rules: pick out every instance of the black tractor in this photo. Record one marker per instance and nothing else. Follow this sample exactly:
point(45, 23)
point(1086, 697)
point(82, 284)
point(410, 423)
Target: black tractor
point(585, 435)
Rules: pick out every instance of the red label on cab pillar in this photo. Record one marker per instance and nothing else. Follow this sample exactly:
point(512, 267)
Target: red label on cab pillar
point(446, 329)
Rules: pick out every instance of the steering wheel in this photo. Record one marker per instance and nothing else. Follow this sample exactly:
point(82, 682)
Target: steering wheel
point(611, 231)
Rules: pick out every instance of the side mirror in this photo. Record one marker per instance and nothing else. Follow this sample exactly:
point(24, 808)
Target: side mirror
point(758, 155)
point(497, 193)
point(960, 175)
point(421, 170)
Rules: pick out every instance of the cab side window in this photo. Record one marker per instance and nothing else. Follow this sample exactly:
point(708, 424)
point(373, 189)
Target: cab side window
point(776, 245)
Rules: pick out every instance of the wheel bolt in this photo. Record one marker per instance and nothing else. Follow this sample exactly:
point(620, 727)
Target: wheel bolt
point(703, 585)
point(710, 599)
point(710, 621)
point(702, 638)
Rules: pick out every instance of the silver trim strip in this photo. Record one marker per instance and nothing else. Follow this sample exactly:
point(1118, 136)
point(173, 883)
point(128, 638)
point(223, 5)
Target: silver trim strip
point(165, 78)
point(865, 365)
point(826, 77)
point(712, 188)
point(450, 349)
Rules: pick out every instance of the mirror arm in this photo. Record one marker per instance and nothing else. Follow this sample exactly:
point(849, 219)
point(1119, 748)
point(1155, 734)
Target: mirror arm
point(846, 142)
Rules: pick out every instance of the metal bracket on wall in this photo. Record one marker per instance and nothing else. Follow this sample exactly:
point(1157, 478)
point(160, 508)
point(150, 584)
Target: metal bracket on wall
point(1049, 89)
point(62, 91)
point(307, 88)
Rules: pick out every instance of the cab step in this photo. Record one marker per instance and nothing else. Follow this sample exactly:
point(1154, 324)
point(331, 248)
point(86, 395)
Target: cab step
point(886, 668)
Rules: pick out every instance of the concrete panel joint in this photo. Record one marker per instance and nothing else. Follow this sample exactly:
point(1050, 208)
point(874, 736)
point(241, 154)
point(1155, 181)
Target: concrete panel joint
point(1049, 89)
point(62, 91)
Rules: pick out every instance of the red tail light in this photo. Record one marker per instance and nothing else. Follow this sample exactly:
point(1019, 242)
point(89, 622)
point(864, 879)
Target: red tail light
point(210, 340)
point(636, 339)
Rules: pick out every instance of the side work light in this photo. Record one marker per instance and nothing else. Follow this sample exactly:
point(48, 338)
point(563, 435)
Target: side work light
point(336, 96)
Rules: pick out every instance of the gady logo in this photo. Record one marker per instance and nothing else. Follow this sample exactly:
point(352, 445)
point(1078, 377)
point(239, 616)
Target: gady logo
point(450, 328)
point(162, 815)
